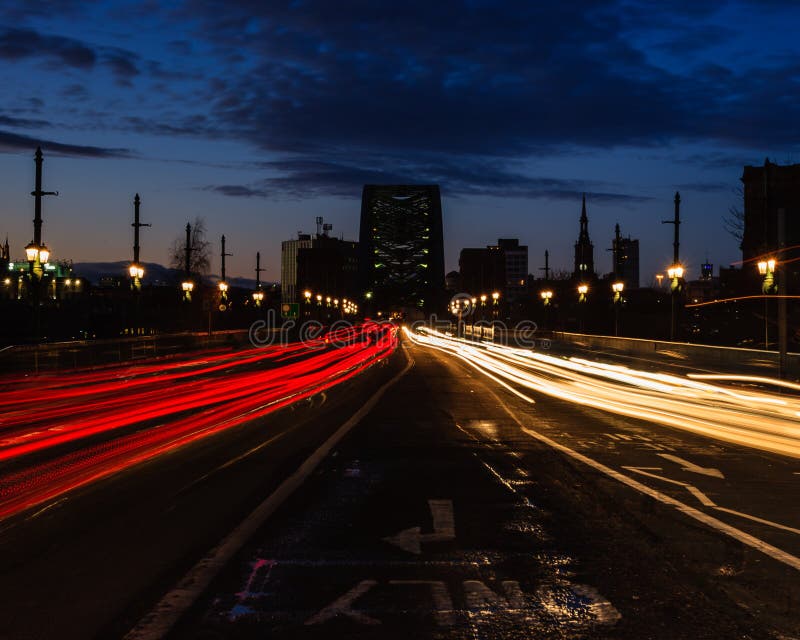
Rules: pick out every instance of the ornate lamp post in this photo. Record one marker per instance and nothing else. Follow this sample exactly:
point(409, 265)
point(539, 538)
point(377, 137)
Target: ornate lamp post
point(767, 269)
point(617, 288)
point(675, 274)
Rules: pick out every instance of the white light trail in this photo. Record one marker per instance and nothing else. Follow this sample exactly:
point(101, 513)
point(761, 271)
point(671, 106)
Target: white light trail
point(751, 418)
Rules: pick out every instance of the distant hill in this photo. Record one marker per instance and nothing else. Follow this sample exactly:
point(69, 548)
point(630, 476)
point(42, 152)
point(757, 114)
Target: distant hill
point(154, 274)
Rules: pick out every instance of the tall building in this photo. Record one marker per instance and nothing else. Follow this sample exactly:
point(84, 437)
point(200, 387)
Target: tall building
point(516, 267)
point(289, 250)
point(401, 263)
point(626, 254)
point(768, 189)
point(483, 270)
point(329, 268)
point(584, 249)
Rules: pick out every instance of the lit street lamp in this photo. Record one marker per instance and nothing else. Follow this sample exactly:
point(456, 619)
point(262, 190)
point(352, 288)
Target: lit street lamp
point(546, 296)
point(617, 288)
point(583, 289)
point(675, 274)
point(767, 269)
point(187, 286)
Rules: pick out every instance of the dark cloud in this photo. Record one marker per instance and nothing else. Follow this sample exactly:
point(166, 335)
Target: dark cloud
point(310, 178)
point(17, 44)
point(237, 191)
point(15, 142)
point(123, 65)
point(23, 123)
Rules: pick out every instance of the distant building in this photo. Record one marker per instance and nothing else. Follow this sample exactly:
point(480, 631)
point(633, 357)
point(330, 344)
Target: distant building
point(452, 282)
point(627, 257)
point(401, 263)
point(289, 250)
point(584, 250)
point(329, 267)
point(483, 270)
point(516, 268)
point(768, 189)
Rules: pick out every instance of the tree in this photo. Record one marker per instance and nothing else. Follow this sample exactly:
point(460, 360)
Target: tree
point(199, 249)
point(733, 222)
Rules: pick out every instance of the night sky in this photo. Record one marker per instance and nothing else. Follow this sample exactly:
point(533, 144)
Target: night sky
point(260, 116)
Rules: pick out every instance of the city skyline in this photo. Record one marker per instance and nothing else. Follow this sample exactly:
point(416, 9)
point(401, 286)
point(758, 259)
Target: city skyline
point(262, 118)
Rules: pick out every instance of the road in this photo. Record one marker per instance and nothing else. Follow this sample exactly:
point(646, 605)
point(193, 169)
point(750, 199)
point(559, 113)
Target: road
point(455, 507)
point(459, 509)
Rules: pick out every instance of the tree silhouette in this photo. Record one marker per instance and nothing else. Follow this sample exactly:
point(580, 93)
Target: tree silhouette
point(200, 249)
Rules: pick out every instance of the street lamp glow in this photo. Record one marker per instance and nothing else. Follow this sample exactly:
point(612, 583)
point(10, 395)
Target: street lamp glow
point(675, 272)
point(546, 295)
point(44, 254)
point(767, 266)
point(31, 251)
point(617, 287)
point(186, 285)
point(495, 296)
point(223, 286)
point(583, 289)
point(135, 271)
point(258, 296)
point(483, 298)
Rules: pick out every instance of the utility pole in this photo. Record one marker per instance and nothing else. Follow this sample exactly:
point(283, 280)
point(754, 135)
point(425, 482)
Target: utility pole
point(675, 285)
point(188, 251)
point(136, 224)
point(546, 267)
point(258, 269)
point(782, 332)
point(37, 194)
point(677, 222)
point(222, 255)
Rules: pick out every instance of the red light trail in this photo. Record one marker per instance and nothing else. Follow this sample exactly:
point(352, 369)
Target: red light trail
point(148, 410)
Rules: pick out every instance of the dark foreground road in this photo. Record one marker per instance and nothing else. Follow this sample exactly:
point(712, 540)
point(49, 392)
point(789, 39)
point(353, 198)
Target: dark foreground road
point(454, 510)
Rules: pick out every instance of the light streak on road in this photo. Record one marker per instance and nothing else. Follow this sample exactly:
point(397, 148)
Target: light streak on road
point(753, 418)
point(60, 438)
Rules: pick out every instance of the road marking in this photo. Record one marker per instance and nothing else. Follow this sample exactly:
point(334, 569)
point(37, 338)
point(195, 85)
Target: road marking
point(444, 529)
point(612, 436)
point(158, 622)
point(757, 519)
point(623, 436)
point(693, 468)
point(737, 534)
point(343, 606)
point(702, 497)
point(641, 471)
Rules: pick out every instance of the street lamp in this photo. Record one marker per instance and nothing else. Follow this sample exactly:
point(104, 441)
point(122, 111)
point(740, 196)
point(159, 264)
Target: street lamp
point(546, 296)
point(223, 287)
point(767, 269)
point(258, 297)
point(675, 273)
point(617, 287)
point(188, 287)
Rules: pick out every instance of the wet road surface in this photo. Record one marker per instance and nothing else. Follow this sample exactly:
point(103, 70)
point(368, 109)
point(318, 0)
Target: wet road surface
point(455, 509)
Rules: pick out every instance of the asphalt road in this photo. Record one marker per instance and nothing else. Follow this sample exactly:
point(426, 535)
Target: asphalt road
point(453, 509)
point(91, 562)
point(456, 510)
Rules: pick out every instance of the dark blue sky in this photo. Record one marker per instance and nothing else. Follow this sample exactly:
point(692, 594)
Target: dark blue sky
point(262, 115)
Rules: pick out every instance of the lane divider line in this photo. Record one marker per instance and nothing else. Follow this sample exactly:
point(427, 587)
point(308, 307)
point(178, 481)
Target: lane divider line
point(162, 618)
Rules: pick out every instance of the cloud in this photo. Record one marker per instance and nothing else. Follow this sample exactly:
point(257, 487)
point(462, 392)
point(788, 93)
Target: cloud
point(23, 123)
point(17, 44)
point(15, 142)
point(122, 64)
point(237, 190)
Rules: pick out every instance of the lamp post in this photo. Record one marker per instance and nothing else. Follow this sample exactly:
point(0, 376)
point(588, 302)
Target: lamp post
point(767, 269)
point(495, 304)
point(675, 274)
point(546, 296)
point(583, 289)
point(617, 287)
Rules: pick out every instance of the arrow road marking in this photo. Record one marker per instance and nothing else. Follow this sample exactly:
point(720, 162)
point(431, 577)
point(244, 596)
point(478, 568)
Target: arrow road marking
point(444, 529)
point(690, 466)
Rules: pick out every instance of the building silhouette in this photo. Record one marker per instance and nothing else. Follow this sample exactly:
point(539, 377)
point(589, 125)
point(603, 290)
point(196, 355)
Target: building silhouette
point(401, 249)
point(516, 267)
point(626, 260)
point(329, 267)
point(767, 190)
point(483, 270)
point(289, 250)
point(584, 250)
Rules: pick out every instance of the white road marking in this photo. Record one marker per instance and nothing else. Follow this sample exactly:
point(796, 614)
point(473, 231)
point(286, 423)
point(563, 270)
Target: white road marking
point(612, 436)
point(693, 468)
point(623, 436)
point(444, 529)
point(757, 519)
point(158, 622)
point(343, 606)
point(702, 497)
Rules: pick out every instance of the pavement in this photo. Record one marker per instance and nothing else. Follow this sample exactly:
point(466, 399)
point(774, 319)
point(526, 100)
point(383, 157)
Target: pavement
point(454, 511)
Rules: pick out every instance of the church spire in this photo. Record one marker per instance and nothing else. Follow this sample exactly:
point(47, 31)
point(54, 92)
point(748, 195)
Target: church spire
point(584, 250)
